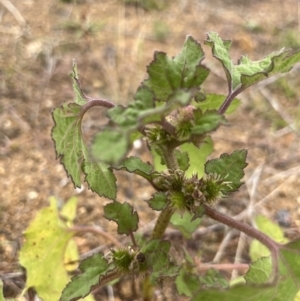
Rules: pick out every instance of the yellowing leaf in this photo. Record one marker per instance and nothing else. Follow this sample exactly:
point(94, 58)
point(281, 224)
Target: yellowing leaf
point(42, 255)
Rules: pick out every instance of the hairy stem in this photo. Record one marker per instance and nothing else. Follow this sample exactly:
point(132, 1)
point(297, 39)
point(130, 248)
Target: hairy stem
point(165, 215)
point(228, 101)
point(162, 222)
point(250, 231)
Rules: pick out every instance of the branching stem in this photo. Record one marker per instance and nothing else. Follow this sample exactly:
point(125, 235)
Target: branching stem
point(250, 231)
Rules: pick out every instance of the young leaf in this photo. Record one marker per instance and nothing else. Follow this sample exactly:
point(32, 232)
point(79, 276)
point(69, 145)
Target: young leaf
point(42, 255)
point(158, 201)
point(166, 75)
point(214, 101)
point(79, 98)
point(137, 166)
point(72, 151)
point(185, 223)
point(123, 215)
point(206, 122)
point(230, 168)
point(247, 72)
point(93, 269)
point(110, 146)
point(197, 156)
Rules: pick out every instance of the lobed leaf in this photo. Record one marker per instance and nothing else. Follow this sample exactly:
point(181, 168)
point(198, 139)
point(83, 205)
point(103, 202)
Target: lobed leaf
point(123, 215)
point(247, 72)
point(166, 75)
point(73, 154)
point(230, 168)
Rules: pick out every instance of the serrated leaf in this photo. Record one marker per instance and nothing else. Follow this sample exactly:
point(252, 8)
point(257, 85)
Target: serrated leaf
point(269, 228)
point(247, 72)
point(285, 289)
point(123, 215)
point(158, 201)
point(230, 168)
point(73, 154)
point(214, 101)
point(166, 75)
point(42, 255)
point(206, 122)
point(93, 268)
point(137, 166)
point(259, 271)
point(197, 156)
point(185, 223)
point(79, 99)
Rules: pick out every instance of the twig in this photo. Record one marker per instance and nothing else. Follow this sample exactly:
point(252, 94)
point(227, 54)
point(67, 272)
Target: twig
point(242, 267)
point(223, 246)
point(238, 254)
point(14, 11)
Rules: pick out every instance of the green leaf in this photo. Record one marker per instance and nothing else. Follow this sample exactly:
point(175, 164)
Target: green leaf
point(259, 271)
point(123, 215)
point(183, 160)
point(206, 122)
point(214, 101)
point(166, 75)
point(187, 283)
point(42, 255)
point(93, 268)
point(73, 154)
point(137, 166)
point(158, 261)
point(268, 227)
point(79, 98)
point(197, 156)
point(185, 223)
point(285, 289)
point(247, 72)
point(110, 146)
point(230, 168)
point(158, 201)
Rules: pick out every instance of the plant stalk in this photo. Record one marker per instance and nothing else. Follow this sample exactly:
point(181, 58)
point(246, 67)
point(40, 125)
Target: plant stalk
point(165, 215)
point(250, 231)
